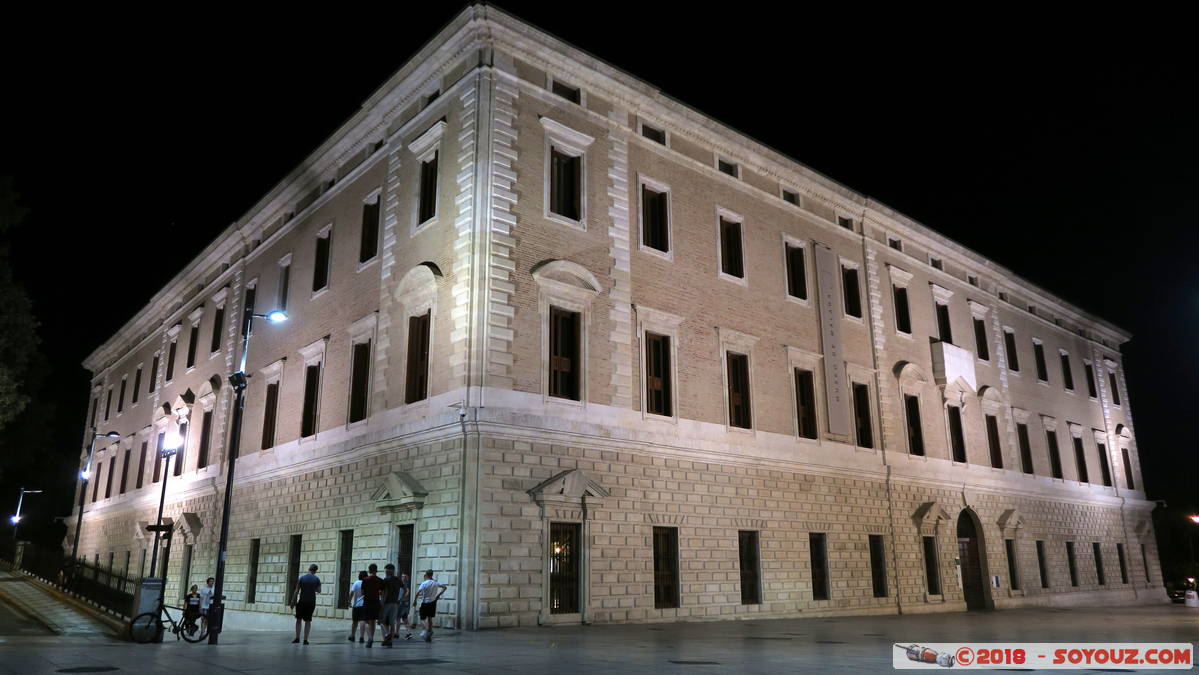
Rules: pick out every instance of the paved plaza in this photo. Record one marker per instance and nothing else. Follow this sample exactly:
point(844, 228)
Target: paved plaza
point(816, 645)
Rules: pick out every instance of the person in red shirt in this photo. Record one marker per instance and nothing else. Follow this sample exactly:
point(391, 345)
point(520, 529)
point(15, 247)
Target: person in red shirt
point(372, 594)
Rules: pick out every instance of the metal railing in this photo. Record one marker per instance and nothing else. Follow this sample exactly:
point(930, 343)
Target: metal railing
point(101, 586)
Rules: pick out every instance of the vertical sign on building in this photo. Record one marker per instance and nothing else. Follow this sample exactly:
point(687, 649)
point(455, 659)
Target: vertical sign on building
point(828, 273)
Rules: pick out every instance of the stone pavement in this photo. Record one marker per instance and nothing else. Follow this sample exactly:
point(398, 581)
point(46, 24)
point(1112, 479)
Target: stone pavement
point(33, 600)
point(816, 645)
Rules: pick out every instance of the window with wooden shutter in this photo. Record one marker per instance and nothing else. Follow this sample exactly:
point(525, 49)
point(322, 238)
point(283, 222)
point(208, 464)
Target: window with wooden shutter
point(205, 440)
point(566, 184)
point(666, 567)
point(980, 339)
point(657, 375)
point(218, 329)
point(312, 384)
point(268, 415)
point(192, 340)
point(1038, 352)
point(1013, 357)
point(1067, 374)
point(1025, 448)
point(655, 229)
point(368, 245)
point(818, 551)
point(911, 404)
point(1055, 456)
point(861, 411)
point(359, 380)
point(797, 281)
point(1080, 459)
point(731, 262)
point(993, 441)
point(747, 550)
point(944, 326)
point(417, 377)
point(805, 403)
point(1104, 468)
point(320, 267)
point(738, 382)
point(903, 315)
point(564, 364)
point(957, 438)
point(428, 189)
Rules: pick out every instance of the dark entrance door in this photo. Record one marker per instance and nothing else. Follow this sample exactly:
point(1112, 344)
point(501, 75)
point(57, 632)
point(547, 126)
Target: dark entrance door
point(564, 568)
point(972, 573)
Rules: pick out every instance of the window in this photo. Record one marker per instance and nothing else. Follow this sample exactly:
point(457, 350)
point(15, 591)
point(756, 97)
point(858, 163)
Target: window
point(180, 453)
point(1090, 372)
point(819, 560)
point(269, 410)
point(1042, 567)
point(738, 384)
point(432, 97)
point(284, 283)
point(980, 339)
point(972, 280)
point(368, 245)
point(853, 296)
point(1013, 357)
point(993, 441)
point(565, 365)
point(1105, 471)
point(657, 374)
point(566, 184)
point(747, 550)
point(932, 575)
point(566, 91)
point(1123, 563)
point(248, 308)
point(655, 218)
point(791, 197)
point(252, 571)
point(112, 465)
point(1055, 457)
point(805, 401)
point(797, 281)
point(359, 380)
point(1097, 550)
point(320, 266)
point(137, 385)
point(1013, 570)
point(903, 315)
point(730, 248)
point(1145, 563)
point(427, 208)
point(1071, 563)
point(944, 327)
point(1080, 458)
point(193, 338)
point(1111, 381)
point(294, 546)
point(108, 405)
point(878, 566)
point(565, 561)
point(186, 570)
point(911, 405)
point(1128, 470)
point(218, 328)
point(1025, 448)
point(312, 385)
point(96, 486)
point(894, 243)
point(729, 168)
point(936, 263)
point(957, 438)
point(1038, 352)
point(345, 568)
point(205, 439)
point(1067, 376)
point(153, 377)
point(666, 567)
point(417, 374)
point(861, 411)
point(121, 395)
point(845, 222)
point(654, 134)
point(95, 409)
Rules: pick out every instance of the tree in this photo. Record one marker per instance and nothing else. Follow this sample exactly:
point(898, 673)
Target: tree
point(18, 327)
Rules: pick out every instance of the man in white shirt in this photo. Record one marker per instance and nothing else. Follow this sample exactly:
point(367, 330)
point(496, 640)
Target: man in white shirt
point(356, 599)
point(206, 598)
point(428, 593)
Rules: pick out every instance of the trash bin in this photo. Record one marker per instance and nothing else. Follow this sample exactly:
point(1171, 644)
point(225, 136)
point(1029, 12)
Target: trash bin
point(1192, 599)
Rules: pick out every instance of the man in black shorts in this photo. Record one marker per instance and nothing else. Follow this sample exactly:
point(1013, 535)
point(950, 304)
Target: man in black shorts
point(372, 591)
point(304, 600)
point(392, 589)
point(428, 593)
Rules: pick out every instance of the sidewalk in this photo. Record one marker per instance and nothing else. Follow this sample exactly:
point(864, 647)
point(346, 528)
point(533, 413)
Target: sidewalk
point(55, 613)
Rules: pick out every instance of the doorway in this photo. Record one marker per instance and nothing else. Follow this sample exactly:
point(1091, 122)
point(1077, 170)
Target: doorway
point(970, 548)
point(404, 560)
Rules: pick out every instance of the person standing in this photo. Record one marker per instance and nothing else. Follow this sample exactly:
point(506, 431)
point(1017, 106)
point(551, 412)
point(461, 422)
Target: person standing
point(304, 601)
point(356, 608)
point(372, 591)
point(405, 604)
point(206, 598)
point(428, 593)
point(392, 590)
point(191, 609)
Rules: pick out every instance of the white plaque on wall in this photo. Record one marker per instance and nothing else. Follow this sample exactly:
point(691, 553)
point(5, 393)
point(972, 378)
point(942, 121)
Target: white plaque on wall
point(828, 285)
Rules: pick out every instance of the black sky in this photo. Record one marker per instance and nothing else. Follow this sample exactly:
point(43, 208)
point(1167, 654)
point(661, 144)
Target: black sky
point(1065, 154)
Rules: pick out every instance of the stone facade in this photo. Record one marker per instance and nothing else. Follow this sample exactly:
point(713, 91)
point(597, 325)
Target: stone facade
point(485, 461)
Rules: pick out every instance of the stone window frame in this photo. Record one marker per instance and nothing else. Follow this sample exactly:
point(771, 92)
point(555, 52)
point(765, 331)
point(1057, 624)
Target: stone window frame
point(856, 374)
point(570, 142)
point(366, 330)
point(641, 124)
point(219, 301)
point(928, 518)
point(941, 296)
point(718, 158)
point(840, 216)
point(577, 498)
point(1050, 423)
point(272, 374)
point(979, 311)
point(280, 295)
point(991, 403)
point(892, 240)
point(373, 195)
point(1011, 526)
point(194, 318)
point(661, 323)
point(900, 278)
point(911, 380)
point(1090, 363)
point(731, 216)
point(802, 359)
point(644, 181)
point(740, 343)
point(123, 389)
point(1007, 358)
point(564, 295)
point(1112, 369)
point(206, 402)
point(808, 269)
point(1073, 388)
point(1022, 416)
point(134, 394)
point(799, 199)
point(1038, 341)
point(850, 263)
point(416, 294)
point(325, 232)
point(550, 79)
point(954, 396)
point(312, 354)
point(1078, 431)
point(423, 147)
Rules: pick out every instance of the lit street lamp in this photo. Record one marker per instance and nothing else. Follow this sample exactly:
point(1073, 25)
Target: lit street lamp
point(16, 519)
point(84, 476)
point(170, 447)
point(216, 607)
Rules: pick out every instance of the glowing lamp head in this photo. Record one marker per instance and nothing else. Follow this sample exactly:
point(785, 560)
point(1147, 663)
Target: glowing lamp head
point(85, 474)
point(1195, 519)
point(172, 442)
point(14, 519)
point(277, 316)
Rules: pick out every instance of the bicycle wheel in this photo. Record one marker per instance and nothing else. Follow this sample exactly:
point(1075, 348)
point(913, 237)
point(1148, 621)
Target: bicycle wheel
point(193, 631)
point(145, 628)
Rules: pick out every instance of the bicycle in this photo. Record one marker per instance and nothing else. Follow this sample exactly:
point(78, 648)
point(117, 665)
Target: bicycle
point(149, 626)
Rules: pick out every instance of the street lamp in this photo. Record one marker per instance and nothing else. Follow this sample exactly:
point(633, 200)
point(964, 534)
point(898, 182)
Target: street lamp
point(16, 519)
point(170, 447)
point(84, 476)
point(216, 607)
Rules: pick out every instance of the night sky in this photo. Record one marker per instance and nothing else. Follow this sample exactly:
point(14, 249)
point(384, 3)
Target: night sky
point(1071, 161)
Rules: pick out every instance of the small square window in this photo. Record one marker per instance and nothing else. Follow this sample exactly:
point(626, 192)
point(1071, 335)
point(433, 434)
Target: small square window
point(972, 280)
point(1003, 296)
point(572, 94)
point(936, 263)
point(791, 197)
point(432, 97)
point(1032, 309)
point(895, 243)
point(654, 134)
point(845, 222)
point(727, 167)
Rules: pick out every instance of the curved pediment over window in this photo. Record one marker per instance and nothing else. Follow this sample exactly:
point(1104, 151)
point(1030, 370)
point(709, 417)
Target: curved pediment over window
point(399, 492)
point(1011, 521)
point(566, 275)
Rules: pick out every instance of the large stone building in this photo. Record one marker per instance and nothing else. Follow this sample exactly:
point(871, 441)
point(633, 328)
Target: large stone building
point(594, 357)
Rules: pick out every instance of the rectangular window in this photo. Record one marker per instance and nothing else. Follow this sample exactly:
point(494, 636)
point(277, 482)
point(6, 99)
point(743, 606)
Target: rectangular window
point(666, 567)
point(153, 375)
point(993, 441)
point(1038, 353)
point(428, 189)
point(932, 574)
point(345, 567)
point(791, 197)
point(739, 403)
point(312, 386)
point(186, 570)
point(1080, 459)
point(294, 546)
point(269, 410)
point(158, 446)
point(565, 365)
point(205, 439)
point(878, 566)
point(112, 465)
point(1071, 563)
point(797, 281)
point(108, 405)
point(1067, 375)
point(565, 561)
point(1055, 455)
point(95, 409)
point(320, 266)
point(654, 134)
point(359, 380)
point(655, 212)
point(972, 280)
point(861, 411)
point(944, 327)
point(368, 245)
point(936, 263)
point(894, 243)
point(1013, 569)
point(845, 222)
point(218, 329)
point(179, 453)
point(566, 185)
point(1104, 469)
point(729, 168)
point(903, 315)
point(121, 395)
point(567, 92)
point(192, 342)
point(657, 375)
point(1145, 563)
point(1123, 563)
point(1111, 381)
point(141, 465)
point(1042, 565)
point(911, 405)
point(980, 339)
point(730, 248)
point(805, 400)
point(248, 309)
point(819, 558)
point(1090, 372)
point(137, 385)
point(1097, 551)
point(957, 438)
point(747, 549)
point(1025, 448)
point(171, 350)
point(853, 296)
point(1128, 470)
point(284, 286)
point(252, 571)
point(1013, 357)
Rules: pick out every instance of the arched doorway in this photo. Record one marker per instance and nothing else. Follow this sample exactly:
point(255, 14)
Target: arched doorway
point(970, 555)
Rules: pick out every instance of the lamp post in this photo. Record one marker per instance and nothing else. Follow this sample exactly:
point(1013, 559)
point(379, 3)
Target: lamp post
point(170, 447)
point(84, 476)
point(16, 519)
point(216, 607)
